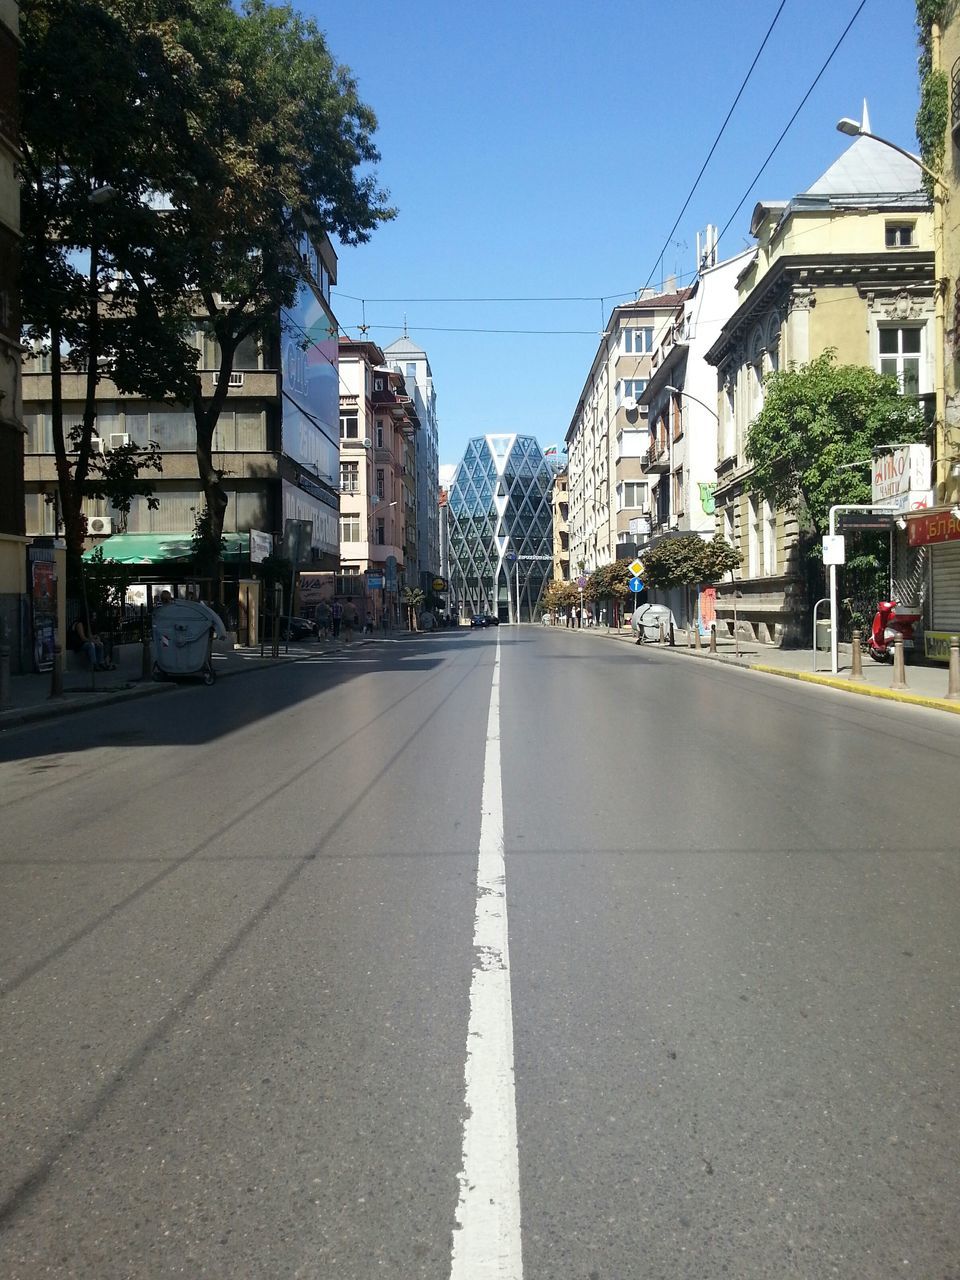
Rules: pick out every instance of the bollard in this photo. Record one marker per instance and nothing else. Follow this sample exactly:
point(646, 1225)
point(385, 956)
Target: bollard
point(899, 670)
point(146, 660)
point(56, 673)
point(4, 676)
point(713, 637)
point(663, 636)
point(696, 635)
point(953, 679)
point(673, 639)
point(856, 664)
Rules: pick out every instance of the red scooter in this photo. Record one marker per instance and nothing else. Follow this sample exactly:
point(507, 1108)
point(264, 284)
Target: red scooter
point(890, 621)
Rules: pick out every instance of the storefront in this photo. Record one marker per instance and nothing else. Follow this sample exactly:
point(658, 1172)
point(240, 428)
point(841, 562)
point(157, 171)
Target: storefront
point(939, 532)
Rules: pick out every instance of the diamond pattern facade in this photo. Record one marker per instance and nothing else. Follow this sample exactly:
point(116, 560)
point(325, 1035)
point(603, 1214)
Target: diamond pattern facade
point(501, 527)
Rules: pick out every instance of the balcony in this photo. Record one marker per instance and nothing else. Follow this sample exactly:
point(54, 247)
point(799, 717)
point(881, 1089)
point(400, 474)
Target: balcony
point(657, 459)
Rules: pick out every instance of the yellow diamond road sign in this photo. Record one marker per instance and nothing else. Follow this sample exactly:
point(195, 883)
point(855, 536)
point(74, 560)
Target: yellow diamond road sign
point(636, 568)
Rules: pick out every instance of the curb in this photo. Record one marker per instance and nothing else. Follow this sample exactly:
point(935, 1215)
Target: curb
point(865, 690)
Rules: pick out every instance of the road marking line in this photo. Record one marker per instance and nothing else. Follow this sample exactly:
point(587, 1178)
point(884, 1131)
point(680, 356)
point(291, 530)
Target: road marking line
point(486, 1240)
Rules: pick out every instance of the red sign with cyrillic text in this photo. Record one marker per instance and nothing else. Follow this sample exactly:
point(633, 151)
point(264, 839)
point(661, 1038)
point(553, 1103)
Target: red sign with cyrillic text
point(938, 526)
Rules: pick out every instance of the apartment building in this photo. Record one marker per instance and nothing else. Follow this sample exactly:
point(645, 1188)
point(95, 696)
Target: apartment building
point(560, 508)
point(410, 360)
point(276, 443)
point(378, 425)
point(607, 436)
point(679, 466)
point(847, 264)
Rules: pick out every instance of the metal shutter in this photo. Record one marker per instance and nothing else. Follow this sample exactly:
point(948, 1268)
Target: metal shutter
point(945, 580)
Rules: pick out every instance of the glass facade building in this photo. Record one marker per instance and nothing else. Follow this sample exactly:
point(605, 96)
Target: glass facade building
point(500, 528)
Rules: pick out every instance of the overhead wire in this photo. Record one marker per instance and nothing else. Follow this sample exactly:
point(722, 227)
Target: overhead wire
point(786, 129)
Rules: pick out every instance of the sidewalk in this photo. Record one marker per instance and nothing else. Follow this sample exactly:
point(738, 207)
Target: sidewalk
point(926, 681)
point(30, 698)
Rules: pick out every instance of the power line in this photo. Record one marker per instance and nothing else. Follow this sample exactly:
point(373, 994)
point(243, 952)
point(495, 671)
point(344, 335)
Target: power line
point(425, 328)
point(803, 102)
point(716, 141)
point(593, 298)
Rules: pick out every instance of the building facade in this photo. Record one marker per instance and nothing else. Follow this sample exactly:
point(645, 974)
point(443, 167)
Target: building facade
point(378, 422)
point(500, 528)
point(560, 511)
point(680, 463)
point(277, 443)
point(13, 584)
point(607, 437)
point(411, 361)
point(847, 265)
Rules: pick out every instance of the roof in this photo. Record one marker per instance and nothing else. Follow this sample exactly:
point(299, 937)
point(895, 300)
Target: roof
point(404, 347)
point(163, 548)
point(869, 168)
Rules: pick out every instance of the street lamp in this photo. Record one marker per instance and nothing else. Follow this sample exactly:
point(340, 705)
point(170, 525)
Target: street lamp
point(861, 129)
point(678, 391)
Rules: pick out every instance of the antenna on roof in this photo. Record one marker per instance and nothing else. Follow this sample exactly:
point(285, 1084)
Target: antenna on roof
point(405, 334)
point(865, 119)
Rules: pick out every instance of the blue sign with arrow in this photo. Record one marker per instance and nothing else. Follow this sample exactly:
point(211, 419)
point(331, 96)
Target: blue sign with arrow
point(635, 585)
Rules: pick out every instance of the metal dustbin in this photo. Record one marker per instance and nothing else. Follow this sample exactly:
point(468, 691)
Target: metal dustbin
point(645, 622)
point(823, 635)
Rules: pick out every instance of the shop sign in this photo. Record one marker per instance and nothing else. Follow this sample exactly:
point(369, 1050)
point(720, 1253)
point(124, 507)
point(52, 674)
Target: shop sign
point(261, 546)
point(901, 477)
point(936, 645)
point(439, 585)
point(937, 526)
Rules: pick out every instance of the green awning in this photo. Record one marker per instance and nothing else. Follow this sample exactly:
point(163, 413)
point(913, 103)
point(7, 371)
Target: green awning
point(164, 548)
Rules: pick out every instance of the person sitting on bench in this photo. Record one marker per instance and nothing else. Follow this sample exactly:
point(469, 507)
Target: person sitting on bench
point(91, 645)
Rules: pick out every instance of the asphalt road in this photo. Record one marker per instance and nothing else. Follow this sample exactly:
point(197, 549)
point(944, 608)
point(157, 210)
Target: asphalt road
point(238, 967)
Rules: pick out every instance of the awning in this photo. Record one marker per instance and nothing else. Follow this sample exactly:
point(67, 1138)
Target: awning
point(164, 548)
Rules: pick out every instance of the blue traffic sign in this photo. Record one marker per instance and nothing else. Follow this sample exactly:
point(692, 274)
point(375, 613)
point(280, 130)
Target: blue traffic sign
point(635, 585)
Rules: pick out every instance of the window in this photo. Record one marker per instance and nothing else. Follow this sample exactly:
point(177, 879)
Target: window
point(349, 528)
point(411, 370)
point(633, 388)
point(379, 433)
point(728, 526)
point(350, 477)
point(755, 546)
point(634, 494)
point(638, 341)
point(349, 426)
point(381, 532)
point(381, 483)
point(899, 235)
point(729, 423)
point(769, 539)
point(677, 495)
point(900, 357)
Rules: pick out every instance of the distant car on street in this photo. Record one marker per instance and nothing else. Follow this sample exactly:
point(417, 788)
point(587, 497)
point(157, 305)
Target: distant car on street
point(484, 620)
point(293, 628)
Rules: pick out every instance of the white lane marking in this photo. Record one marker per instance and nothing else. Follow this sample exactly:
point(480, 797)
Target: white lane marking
point(486, 1240)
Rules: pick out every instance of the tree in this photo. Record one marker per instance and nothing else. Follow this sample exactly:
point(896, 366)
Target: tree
point(812, 442)
point(224, 137)
point(270, 143)
point(688, 561)
point(412, 599)
point(83, 66)
point(609, 582)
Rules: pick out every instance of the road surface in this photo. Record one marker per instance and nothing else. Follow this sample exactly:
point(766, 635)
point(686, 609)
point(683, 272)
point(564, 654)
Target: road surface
point(698, 1019)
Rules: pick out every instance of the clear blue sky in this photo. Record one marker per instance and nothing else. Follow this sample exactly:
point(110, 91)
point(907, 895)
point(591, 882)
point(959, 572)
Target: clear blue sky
point(544, 150)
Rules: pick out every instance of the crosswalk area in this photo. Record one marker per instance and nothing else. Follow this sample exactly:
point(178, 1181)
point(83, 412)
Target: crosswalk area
point(359, 652)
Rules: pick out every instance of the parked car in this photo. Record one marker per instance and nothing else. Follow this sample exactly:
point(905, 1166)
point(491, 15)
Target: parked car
point(484, 620)
point(292, 628)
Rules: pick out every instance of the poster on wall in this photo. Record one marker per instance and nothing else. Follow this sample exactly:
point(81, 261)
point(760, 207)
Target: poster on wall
point(44, 591)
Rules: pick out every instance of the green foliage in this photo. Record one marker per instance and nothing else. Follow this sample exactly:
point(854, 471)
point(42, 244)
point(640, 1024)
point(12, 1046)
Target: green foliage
point(116, 476)
point(812, 442)
point(609, 582)
point(106, 583)
point(253, 133)
point(687, 561)
point(931, 122)
point(559, 597)
point(413, 597)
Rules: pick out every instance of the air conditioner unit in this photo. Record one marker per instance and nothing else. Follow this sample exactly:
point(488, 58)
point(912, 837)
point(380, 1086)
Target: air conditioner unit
point(235, 380)
point(118, 439)
point(97, 445)
point(101, 526)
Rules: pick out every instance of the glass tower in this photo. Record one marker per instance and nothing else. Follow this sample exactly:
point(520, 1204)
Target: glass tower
point(500, 528)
